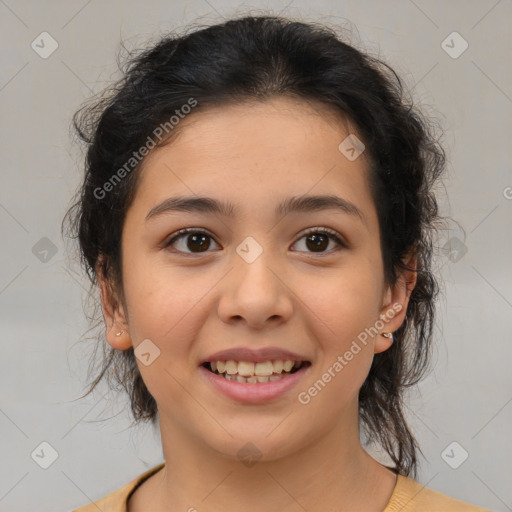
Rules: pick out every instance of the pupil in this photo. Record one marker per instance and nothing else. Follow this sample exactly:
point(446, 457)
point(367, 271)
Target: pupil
point(196, 238)
point(319, 241)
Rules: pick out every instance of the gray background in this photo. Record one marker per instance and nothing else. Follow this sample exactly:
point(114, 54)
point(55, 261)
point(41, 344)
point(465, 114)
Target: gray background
point(466, 398)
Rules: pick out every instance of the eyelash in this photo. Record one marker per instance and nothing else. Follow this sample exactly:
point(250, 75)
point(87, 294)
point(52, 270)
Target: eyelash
point(333, 235)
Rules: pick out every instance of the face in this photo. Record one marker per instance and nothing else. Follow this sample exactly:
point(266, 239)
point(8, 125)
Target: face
point(300, 285)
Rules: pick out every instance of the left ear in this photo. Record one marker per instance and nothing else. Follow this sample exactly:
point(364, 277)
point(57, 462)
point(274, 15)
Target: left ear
point(394, 302)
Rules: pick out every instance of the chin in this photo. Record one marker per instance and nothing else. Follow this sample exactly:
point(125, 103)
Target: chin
point(253, 445)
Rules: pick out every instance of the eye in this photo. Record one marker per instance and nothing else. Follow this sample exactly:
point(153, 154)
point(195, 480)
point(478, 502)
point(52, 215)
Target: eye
point(198, 240)
point(318, 239)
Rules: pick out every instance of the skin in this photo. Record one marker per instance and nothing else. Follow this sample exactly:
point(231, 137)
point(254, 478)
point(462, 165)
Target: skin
point(290, 296)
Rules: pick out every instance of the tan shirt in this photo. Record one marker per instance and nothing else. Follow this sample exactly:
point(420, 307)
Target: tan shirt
point(408, 496)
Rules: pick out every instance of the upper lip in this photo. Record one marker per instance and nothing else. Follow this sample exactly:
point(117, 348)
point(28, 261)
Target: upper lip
point(252, 355)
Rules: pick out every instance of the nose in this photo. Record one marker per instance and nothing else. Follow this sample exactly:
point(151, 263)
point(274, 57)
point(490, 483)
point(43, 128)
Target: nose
point(255, 294)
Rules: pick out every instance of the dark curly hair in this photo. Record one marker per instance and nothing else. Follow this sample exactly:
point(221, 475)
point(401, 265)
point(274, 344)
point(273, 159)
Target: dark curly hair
point(254, 58)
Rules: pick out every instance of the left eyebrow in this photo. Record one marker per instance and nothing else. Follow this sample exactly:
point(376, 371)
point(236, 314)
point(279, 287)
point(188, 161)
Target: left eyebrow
point(296, 204)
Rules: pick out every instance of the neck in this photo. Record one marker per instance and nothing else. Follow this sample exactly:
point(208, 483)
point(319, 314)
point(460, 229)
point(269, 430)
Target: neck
point(331, 472)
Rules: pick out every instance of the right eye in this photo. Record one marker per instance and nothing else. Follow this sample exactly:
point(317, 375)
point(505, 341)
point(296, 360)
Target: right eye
point(193, 239)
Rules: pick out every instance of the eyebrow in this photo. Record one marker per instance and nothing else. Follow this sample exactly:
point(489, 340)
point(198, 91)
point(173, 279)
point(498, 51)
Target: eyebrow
point(294, 204)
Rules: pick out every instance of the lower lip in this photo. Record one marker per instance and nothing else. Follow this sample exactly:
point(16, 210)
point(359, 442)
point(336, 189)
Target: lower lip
point(254, 393)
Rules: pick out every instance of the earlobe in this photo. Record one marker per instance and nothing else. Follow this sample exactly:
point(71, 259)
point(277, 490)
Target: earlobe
point(117, 333)
point(392, 314)
point(396, 300)
point(383, 342)
point(118, 338)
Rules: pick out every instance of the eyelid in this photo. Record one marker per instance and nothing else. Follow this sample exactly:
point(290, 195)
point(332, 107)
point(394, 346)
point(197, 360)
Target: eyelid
point(186, 231)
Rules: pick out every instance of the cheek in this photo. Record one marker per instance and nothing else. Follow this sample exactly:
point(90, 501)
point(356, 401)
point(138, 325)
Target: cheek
point(156, 297)
point(344, 307)
point(164, 308)
point(342, 303)
point(166, 304)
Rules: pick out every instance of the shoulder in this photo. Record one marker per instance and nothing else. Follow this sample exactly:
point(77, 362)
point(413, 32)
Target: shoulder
point(116, 501)
point(410, 496)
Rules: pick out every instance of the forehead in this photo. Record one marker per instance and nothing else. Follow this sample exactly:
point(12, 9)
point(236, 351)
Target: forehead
point(255, 154)
point(248, 128)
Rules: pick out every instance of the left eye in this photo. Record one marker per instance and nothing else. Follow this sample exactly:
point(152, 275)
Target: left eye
point(317, 239)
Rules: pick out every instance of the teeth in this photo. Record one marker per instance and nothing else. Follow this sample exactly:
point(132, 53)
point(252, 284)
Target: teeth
point(245, 368)
point(288, 365)
point(247, 371)
point(278, 366)
point(231, 367)
point(264, 369)
point(253, 379)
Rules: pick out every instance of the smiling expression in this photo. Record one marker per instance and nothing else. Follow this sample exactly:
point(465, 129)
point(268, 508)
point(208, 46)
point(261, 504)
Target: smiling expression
point(282, 254)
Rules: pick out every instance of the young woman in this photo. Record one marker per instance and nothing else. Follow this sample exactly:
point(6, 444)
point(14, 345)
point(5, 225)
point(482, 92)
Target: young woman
point(257, 212)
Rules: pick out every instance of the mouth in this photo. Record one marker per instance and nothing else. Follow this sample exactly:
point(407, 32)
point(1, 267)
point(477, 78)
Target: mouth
point(248, 372)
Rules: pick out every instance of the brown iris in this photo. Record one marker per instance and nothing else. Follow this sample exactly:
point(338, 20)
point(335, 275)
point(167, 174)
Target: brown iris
point(318, 241)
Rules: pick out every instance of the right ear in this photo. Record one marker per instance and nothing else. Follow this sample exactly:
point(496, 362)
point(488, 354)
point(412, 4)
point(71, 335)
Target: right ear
point(116, 326)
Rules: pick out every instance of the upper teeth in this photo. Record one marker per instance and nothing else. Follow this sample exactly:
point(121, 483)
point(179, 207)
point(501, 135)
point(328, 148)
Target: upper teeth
point(248, 368)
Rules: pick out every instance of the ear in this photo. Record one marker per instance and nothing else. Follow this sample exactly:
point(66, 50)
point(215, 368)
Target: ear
point(116, 326)
point(394, 303)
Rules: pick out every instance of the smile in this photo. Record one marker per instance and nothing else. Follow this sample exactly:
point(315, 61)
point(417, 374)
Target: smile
point(254, 382)
point(253, 373)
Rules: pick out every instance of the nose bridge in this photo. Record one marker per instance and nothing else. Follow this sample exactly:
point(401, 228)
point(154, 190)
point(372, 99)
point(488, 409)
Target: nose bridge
point(253, 263)
point(254, 291)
